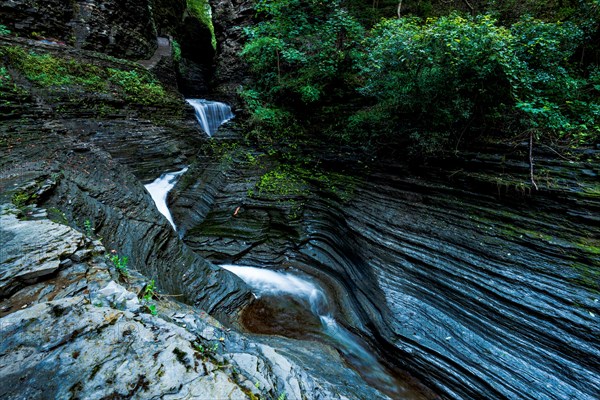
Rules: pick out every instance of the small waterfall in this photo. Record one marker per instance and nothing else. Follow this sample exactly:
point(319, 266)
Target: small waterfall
point(266, 282)
point(159, 190)
point(211, 114)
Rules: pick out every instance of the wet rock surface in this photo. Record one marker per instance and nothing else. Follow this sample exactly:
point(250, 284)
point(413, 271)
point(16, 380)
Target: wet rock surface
point(469, 280)
point(458, 274)
point(75, 327)
point(86, 332)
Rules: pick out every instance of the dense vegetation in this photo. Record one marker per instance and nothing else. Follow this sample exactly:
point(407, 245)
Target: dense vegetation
point(436, 77)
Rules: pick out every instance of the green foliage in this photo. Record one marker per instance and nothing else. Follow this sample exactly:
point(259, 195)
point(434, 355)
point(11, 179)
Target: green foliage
point(4, 76)
point(4, 30)
point(452, 73)
point(120, 263)
point(202, 11)
point(295, 180)
point(22, 199)
point(282, 182)
point(300, 48)
point(428, 84)
point(137, 86)
point(176, 51)
point(47, 70)
point(547, 89)
point(206, 350)
point(89, 230)
point(148, 296)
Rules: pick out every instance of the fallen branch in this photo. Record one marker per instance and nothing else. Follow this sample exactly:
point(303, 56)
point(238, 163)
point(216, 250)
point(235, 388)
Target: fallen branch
point(531, 160)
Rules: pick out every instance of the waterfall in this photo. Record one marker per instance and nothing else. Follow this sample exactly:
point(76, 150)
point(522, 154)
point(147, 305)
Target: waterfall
point(159, 190)
point(210, 114)
point(266, 282)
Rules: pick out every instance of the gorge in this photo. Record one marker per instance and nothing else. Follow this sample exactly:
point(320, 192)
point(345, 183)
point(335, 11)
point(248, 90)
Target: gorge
point(147, 254)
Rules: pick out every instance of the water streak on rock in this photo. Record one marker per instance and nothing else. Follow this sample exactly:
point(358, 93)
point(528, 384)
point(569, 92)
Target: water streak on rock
point(211, 114)
point(159, 189)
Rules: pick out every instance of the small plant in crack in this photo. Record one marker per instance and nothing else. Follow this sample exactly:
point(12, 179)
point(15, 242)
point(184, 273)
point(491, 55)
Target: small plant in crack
point(120, 263)
point(206, 350)
point(148, 296)
point(89, 230)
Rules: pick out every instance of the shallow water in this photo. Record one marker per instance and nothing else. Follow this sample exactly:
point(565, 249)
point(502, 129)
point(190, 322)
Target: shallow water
point(294, 306)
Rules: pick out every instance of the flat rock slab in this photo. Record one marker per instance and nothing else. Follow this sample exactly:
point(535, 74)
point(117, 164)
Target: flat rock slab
point(70, 349)
point(32, 249)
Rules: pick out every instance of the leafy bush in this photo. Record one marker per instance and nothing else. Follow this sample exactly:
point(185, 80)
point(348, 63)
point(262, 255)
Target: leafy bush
point(300, 48)
point(435, 76)
point(453, 73)
point(4, 30)
point(120, 264)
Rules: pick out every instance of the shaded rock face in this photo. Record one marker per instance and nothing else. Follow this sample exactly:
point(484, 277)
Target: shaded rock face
point(120, 28)
point(193, 78)
point(468, 280)
point(229, 19)
point(172, 18)
point(83, 331)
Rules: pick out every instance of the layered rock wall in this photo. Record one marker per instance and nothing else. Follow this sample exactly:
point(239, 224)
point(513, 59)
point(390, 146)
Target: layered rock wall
point(472, 281)
point(120, 28)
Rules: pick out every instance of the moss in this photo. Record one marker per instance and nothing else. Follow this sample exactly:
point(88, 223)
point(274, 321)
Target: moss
point(56, 215)
point(63, 76)
point(589, 246)
point(47, 70)
point(200, 9)
point(282, 181)
point(4, 30)
point(24, 198)
point(222, 150)
point(592, 191)
point(589, 276)
point(137, 86)
point(297, 180)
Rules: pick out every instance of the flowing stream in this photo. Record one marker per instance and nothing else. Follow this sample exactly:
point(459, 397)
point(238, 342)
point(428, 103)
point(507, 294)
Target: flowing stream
point(211, 114)
point(276, 284)
point(159, 190)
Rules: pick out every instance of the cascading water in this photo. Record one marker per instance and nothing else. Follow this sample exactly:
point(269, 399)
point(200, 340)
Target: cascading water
point(211, 114)
point(159, 190)
point(265, 282)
